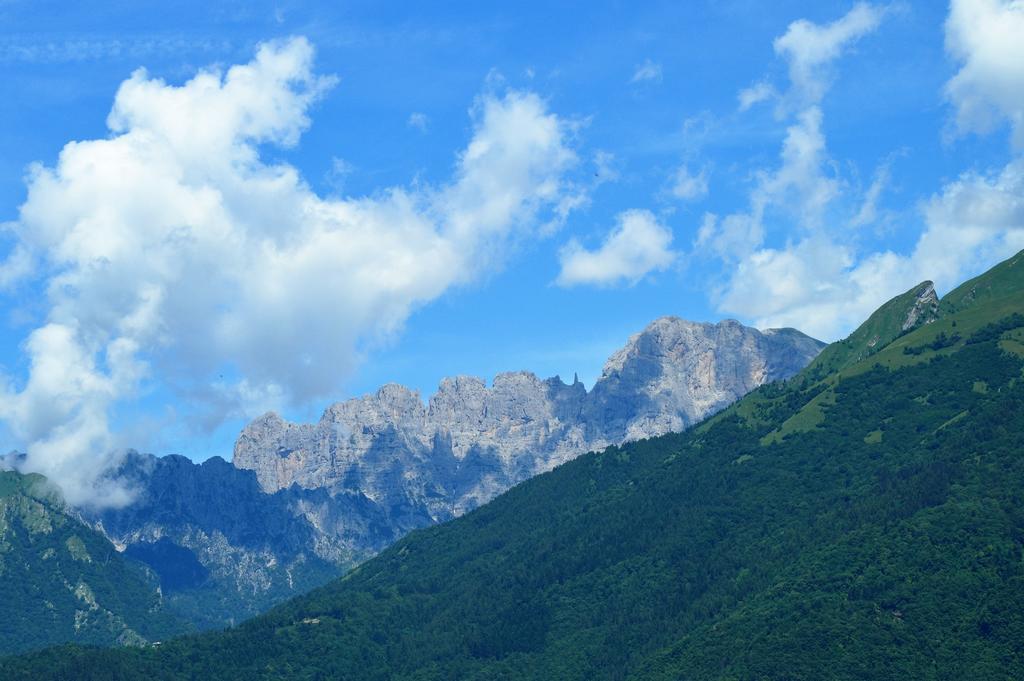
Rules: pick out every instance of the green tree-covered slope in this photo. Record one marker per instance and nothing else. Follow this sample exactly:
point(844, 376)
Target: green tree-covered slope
point(862, 523)
point(61, 581)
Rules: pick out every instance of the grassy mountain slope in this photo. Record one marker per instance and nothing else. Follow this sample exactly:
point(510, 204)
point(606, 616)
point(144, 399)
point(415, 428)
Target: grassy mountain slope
point(879, 536)
point(903, 313)
point(984, 300)
point(999, 286)
point(61, 581)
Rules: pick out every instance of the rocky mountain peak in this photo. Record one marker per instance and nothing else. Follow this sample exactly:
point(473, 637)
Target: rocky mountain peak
point(472, 441)
point(676, 372)
point(898, 315)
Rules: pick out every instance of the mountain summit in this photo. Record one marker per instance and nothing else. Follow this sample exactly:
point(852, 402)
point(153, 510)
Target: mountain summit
point(472, 442)
point(902, 314)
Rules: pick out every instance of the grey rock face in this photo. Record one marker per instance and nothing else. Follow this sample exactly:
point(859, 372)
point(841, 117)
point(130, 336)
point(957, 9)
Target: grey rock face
point(472, 442)
point(925, 308)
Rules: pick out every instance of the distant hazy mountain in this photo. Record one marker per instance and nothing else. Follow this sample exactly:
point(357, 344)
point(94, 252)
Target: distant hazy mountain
point(305, 501)
point(224, 549)
point(62, 581)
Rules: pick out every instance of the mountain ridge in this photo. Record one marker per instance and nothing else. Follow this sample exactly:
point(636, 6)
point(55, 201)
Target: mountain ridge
point(897, 316)
point(632, 399)
point(388, 463)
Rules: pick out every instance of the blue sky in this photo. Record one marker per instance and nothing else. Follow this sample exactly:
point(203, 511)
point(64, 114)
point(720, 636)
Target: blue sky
point(564, 176)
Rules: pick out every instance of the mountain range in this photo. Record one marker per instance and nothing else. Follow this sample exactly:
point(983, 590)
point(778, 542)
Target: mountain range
point(861, 520)
point(302, 503)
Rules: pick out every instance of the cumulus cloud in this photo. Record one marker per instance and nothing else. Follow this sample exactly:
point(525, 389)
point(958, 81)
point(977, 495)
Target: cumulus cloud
point(975, 221)
point(171, 252)
point(812, 285)
point(984, 36)
point(804, 283)
point(637, 246)
point(648, 72)
point(688, 186)
point(803, 185)
point(820, 281)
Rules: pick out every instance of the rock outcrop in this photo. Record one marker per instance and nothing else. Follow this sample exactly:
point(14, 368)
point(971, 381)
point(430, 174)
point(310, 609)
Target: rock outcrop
point(924, 309)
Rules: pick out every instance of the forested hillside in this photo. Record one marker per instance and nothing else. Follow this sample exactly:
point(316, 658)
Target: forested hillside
point(62, 581)
point(863, 522)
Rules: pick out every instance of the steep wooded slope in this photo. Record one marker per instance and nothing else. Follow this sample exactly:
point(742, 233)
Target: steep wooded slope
point(62, 581)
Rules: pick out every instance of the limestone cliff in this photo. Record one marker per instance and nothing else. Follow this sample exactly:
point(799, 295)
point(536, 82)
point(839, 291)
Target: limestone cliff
point(471, 442)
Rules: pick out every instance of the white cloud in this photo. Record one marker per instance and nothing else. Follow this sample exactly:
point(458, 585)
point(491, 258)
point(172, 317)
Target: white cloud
point(975, 221)
point(67, 397)
point(689, 187)
point(822, 284)
point(800, 188)
point(706, 231)
point(815, 281)
point(577, 195)
point(16, 267)
point(868, 212)
point(811, 285)
point(986, 37)
point(802, 181)
point(810, 48)
point(418, 120)
point(755, 94)
point(803, 185)
point(636, 247)
point(172, 253)
point(823, 287)
point(648, 72)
